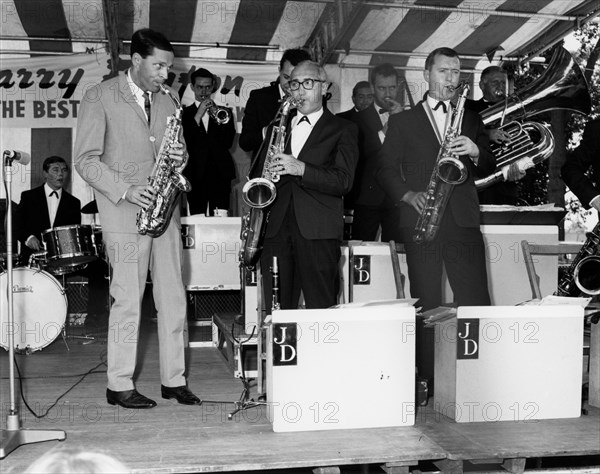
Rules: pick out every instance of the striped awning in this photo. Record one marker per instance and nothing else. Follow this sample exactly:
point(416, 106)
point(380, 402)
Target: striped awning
point(350, 33)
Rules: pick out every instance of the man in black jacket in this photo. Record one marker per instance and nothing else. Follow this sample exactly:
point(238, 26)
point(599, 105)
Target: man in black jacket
point(263, 103)
point(362, 97)
point(46, 206)
point(210, 167)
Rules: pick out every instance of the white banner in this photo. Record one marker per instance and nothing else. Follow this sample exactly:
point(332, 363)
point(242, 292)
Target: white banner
point(45, 92)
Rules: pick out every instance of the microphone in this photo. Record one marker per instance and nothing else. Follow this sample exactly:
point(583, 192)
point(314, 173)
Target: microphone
point(18, 156)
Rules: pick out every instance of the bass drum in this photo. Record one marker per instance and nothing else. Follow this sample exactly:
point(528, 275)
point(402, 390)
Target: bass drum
point(39, 308)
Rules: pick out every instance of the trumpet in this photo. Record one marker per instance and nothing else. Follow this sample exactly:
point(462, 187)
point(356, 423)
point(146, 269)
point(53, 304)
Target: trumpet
point(220, 115)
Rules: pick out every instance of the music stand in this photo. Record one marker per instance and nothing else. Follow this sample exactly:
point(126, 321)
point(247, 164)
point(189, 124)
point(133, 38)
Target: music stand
point(14, 436)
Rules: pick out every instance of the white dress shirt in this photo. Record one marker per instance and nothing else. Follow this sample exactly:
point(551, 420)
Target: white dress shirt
point(441, 118)
point(204, 117)
point(301, 130)
point(138, 93)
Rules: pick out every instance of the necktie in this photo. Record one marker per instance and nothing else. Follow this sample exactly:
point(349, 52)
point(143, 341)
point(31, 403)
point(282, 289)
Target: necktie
point(147, 105)
point(440, 104)
point(303, 119)
point(54, 193)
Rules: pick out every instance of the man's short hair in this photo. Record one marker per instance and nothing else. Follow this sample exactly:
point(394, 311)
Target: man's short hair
point(384, 70)
point(201, 72)
point(51, 160)
point(360, 85)
point(321, 73)
point(449, 52)
point(295, 56)
point(145, 40)
point(490, 70)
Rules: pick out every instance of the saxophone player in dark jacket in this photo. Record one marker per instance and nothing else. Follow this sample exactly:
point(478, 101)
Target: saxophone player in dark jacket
point(316, 169)
point(405, 166)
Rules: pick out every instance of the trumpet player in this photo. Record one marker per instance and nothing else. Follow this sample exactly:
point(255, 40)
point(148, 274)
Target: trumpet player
point(209, 132)
point(406, 164)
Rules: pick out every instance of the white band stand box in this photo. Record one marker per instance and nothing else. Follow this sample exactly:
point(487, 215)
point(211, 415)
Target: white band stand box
point(352, 366)
point(509, 363)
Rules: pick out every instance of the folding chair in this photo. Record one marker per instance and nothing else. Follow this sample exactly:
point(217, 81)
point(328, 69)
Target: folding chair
point(529, 250)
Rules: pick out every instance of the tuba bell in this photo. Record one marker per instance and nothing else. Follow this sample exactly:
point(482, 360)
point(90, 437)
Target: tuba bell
point(561, 86)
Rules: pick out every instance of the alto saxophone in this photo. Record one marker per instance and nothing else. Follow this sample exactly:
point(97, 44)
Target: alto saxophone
point(260, 193)
point(447, 172)
point(166, 178)
point(583, 275)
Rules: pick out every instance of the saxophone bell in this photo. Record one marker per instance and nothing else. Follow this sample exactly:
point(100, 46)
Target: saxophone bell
point(587, 275)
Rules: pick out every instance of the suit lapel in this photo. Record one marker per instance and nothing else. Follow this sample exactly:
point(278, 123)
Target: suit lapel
point(45, 214)
point(316, 132)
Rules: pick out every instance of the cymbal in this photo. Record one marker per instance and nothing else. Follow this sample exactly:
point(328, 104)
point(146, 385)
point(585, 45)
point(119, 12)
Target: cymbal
point(90, 208)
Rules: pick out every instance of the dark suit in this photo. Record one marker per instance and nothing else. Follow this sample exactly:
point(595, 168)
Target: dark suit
point(504, 192)
point(348, 114)
point(306, 221)
point(584, 157)
point(260, 110)
point(210, 168)
point(406, 162)
point(35, 217)
point(367, 195)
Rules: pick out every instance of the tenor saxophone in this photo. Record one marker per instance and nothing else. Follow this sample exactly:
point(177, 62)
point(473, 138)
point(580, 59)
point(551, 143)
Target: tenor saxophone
point(166, 178)
point(447, 173)
point(260, 193)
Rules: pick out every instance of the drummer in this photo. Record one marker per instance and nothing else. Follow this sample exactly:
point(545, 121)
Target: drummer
point(46, 206)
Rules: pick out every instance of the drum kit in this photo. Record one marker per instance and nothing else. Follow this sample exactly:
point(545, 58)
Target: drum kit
point(39, 299)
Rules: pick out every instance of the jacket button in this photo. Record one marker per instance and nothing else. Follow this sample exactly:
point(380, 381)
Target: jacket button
point(152, 138)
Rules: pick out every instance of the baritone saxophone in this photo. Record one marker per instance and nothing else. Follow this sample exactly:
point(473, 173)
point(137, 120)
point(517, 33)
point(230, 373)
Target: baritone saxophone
point(447, 173)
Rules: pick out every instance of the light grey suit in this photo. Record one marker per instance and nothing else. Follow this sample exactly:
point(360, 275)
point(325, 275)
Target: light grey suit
point(115, 148)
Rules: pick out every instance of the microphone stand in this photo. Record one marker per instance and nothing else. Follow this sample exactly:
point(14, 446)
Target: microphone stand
point(14, 436)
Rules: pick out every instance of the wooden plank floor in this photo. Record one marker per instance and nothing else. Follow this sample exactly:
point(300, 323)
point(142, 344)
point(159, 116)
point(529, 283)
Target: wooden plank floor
point(177, 438)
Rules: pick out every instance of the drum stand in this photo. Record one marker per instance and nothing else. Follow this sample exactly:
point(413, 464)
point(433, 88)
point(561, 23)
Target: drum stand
point(69, 334)
point(13, 435)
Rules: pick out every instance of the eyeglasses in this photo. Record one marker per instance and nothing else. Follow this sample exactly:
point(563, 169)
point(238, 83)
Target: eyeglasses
point(308, 84)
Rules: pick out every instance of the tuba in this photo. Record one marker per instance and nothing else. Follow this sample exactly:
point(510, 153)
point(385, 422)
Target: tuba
point(166, 178)
point(583, 275)
point(561, 86)
point(260, 193)
point(447, 173)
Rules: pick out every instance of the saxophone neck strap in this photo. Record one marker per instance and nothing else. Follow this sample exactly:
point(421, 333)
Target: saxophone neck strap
point(433, 122)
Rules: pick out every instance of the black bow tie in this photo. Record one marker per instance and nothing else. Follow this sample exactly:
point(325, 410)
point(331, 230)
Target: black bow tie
point(303, 119)
point(383, 111)
point(54, 193)
point(442, 105)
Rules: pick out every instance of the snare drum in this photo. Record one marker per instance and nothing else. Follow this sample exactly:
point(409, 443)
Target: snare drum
point(40, 309)
point(69, 246)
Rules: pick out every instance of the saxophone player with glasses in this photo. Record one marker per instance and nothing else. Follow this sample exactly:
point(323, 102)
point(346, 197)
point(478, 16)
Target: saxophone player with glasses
point(405, 166)
point(315, 169)
point(121, 132)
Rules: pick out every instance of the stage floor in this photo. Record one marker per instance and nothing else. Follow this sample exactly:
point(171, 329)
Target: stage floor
point(175, 438)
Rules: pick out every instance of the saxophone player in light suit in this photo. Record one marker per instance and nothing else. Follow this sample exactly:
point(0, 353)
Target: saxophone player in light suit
point(405, 166)
point(120, 131)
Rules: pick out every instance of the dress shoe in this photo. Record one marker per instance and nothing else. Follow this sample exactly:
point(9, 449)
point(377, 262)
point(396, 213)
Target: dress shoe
point(129, 399)
point(182, 394)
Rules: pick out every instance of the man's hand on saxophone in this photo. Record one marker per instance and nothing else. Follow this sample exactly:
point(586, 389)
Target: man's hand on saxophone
point(416, 199)
point(177, 153)
point(142, 196)
point(283, 164)
point(463, 145)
